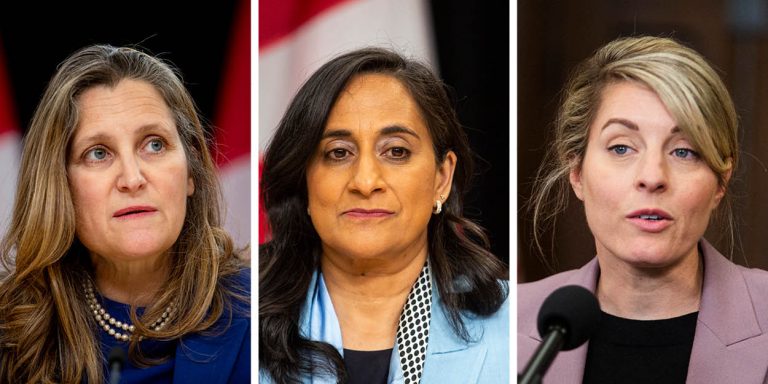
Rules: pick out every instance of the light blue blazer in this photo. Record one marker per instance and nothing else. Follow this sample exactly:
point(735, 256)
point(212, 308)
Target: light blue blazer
point(485, 359)
point(731, 340)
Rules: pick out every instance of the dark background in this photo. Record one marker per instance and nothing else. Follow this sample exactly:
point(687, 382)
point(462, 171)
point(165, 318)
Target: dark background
point(472, 45)
point(553, 36)
point(191, 35)
point(472, 40)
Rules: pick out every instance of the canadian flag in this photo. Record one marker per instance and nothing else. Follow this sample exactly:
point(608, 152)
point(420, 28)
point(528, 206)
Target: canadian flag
point(298, 36)
point(10, 148)
point(233, 129)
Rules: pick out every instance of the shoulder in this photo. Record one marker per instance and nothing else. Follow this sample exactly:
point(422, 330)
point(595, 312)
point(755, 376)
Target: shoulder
point(238, 286)
point(531, 295)
point(493, 326)
point(719, 272)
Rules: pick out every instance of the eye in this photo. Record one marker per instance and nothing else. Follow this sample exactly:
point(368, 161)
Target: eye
point(155, 145)
point(337, 154)
point(96, 154)
point(619, 149)
point(398, 153)
point(685, 153)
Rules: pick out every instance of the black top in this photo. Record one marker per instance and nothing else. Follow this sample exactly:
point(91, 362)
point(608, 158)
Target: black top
point(367, 367)
point(640, 351)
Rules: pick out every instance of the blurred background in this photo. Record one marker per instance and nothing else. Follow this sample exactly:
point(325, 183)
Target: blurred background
point(553, 36)
point(466, 42)
point(210, 44)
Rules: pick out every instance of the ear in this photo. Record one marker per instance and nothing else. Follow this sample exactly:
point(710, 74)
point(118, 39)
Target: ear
point(721, 188)
point(444, 175)
point(190, 186)
point(574, 176)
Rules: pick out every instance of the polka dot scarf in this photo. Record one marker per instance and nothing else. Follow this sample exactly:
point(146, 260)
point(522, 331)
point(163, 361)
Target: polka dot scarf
point(413, 330)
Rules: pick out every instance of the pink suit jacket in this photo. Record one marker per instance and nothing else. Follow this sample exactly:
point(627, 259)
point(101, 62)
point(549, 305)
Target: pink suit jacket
point(731, 340)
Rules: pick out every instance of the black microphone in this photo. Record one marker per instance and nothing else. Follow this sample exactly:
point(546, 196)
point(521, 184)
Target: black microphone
point(116, 361)
point(567, 319)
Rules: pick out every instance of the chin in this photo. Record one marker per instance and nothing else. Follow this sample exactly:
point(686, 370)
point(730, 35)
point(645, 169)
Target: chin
point(147, 247)
point(650, 257)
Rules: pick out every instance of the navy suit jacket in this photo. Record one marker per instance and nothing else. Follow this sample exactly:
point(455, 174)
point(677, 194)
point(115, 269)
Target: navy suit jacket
point(218, 358)
point(731, 340)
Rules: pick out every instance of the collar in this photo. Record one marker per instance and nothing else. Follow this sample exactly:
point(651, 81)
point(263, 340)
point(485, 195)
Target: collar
point(446, 352)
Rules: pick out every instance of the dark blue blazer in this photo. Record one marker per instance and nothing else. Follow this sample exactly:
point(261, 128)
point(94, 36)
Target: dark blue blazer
point(219, 358)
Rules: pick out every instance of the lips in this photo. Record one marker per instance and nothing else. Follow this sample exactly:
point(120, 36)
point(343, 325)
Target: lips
point(134, 211)
point(650, 220)
point(367, 213)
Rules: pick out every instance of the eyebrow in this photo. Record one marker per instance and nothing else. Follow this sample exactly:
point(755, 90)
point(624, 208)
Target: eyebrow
point(626, 123)
point(388, 130)
point(102, 137)
point(631, 125)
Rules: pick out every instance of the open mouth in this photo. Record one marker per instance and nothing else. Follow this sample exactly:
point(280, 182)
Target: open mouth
point(650, 217)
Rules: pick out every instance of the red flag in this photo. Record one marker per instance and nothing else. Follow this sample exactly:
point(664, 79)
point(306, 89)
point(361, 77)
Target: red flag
point(233, 128)
point(9, 147)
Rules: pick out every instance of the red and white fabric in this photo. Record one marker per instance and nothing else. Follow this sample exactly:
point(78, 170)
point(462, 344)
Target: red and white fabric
point(232, 120)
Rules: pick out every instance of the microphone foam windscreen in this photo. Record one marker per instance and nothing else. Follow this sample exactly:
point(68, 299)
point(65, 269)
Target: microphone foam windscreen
point(574, 308)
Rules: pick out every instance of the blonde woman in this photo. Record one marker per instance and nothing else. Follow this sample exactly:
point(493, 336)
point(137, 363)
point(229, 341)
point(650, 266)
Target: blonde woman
point(646, 137)
point(115, 242)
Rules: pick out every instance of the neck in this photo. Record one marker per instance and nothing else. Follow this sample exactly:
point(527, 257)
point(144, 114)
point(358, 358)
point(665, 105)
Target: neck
point(368, 297)
point(650, 293)
point(133, 282)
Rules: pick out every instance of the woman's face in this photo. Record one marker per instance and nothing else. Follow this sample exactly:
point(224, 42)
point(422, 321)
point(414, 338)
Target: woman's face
point(648, 196)
point(127, 173)
point(373, 179)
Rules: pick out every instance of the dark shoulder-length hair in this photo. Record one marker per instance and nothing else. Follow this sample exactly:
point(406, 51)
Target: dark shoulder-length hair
point(467, 275)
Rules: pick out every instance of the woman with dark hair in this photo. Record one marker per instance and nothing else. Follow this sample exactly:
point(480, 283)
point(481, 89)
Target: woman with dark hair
point(116, 241)
point(372, 273)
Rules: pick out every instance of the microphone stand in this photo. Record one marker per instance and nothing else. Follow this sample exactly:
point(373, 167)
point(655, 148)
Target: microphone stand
point(543, 357)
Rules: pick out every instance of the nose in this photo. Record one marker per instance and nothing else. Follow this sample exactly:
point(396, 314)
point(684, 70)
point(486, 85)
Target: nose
point(652, 173)
point(131, 177)
point(366, 176)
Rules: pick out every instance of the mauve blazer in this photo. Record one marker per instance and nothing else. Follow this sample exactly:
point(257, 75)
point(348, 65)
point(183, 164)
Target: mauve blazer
point(731, 340)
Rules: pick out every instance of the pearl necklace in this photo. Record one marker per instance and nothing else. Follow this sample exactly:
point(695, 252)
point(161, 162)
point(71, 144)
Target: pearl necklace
point(106, 321)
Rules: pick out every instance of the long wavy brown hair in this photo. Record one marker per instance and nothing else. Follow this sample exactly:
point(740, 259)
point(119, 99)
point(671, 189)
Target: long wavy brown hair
point(47, 333)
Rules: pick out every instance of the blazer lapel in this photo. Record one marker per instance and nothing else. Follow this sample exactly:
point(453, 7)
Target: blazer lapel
point(729, 345)
point(210, 358)
point(448, 355)
point(568, 366)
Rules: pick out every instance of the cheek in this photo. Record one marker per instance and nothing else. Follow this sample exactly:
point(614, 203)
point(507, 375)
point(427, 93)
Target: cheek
point(602, 187)
point(89, 196)
point(699, 202)
point(325, 187)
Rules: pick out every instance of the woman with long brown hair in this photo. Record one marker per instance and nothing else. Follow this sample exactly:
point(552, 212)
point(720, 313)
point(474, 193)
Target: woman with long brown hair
point(116, 240)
